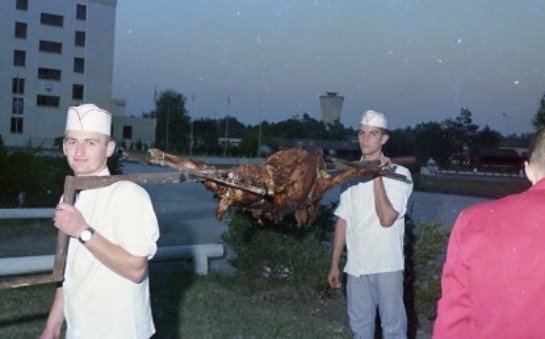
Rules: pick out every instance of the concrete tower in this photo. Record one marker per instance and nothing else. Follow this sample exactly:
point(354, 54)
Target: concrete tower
point(331, 105)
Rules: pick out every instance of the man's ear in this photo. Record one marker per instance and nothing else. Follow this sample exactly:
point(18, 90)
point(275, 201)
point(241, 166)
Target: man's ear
point(528, 170)
point(385, 138)
point(110, 148)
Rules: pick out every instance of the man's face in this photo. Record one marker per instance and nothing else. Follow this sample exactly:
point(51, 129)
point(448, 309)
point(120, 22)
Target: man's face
point(87, 152)
point(371, 139)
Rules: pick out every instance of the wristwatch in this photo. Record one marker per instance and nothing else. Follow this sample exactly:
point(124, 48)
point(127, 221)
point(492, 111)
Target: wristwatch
point(86, 235)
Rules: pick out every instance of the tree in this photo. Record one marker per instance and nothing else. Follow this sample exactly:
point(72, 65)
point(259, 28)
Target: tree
point(487, 137)
point(462, 129)
point(337, 131)
point(461, 133)
point(306, 127)
point(205, 136)
point(401, 143)
point(431, 141)
point(3, 151)
point(289, 129)
point(230, 127)
point(313, 129)
point(172, 130)
point(249, 144)
point(539, 118)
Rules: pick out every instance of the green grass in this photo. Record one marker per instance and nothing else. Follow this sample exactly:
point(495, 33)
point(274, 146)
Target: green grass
point(189, 306)
point(23, 311)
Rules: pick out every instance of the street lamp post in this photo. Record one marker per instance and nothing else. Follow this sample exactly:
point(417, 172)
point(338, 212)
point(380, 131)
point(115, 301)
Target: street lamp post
point(191, 140)
point(226, 135)
point(167, 127)
point(259, 141)
point(506, 124)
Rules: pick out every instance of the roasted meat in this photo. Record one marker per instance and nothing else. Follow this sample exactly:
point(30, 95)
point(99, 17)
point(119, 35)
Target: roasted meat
point(293, 180)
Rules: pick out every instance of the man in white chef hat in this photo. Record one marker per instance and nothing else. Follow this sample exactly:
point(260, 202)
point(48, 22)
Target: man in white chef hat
point(113, 233)
point(91, 126)
point(371, 223)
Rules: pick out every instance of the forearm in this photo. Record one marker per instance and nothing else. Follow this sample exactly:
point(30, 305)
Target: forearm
point(383, 206)
point(117, 258)
point(339, 242)
point(56, 316)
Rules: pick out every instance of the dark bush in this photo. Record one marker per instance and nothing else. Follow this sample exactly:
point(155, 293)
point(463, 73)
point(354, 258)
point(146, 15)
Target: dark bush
point(429, 249)
point(282, 252)
point(38, 179)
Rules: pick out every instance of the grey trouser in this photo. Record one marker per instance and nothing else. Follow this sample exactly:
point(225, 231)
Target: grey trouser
point(384, 290)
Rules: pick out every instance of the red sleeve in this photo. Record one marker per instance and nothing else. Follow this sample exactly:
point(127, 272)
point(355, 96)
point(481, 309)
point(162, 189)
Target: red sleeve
point(453, 317)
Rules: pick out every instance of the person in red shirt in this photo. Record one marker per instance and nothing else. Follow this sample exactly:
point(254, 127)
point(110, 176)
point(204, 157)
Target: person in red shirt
point(493, 282)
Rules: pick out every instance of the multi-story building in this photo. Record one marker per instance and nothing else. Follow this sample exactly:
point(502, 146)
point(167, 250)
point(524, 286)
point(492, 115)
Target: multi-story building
point(55, 54)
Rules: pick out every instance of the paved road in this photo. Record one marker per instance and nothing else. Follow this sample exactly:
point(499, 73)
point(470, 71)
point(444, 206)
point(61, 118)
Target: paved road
point(186, 211)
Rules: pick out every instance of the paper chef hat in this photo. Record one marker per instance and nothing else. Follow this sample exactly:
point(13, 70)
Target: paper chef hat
point(88, 117)
point(374, 118)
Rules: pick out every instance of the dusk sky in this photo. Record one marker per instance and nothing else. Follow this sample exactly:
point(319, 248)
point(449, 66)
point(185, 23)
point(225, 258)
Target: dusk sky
point(417, 61)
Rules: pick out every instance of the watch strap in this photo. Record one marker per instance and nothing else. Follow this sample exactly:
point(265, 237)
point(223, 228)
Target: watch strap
point(88, 229)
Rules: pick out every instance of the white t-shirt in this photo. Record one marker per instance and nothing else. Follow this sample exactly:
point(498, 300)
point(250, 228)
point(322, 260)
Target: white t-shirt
point(99, 303)
point(372, 248)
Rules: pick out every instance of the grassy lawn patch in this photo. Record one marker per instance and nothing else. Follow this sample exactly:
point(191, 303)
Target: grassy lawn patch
point(23, 311)
point(189, 306)
point(229, 306)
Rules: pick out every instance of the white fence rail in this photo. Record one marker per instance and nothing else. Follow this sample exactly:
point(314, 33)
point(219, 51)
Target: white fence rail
point(26, 213)
point(200, 253)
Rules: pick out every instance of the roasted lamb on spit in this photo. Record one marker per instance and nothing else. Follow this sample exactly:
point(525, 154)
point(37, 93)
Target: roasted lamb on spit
point(292, 180)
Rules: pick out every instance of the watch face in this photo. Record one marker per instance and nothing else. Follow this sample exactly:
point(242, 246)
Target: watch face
point(86, 235)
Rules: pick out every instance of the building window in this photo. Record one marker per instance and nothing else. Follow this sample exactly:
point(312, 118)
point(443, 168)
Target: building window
point(47, 100)
point(18, 86)
point(49, 74)
point(50, 46)
point(80, 39)
point(51, 19)
point(17, 105)
point(77, 92)
point(79, 65)
point(81, 12)
point(20, 30)
point(16, 125)
point(21, 4)
point(19, 58)
point(127, 132)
